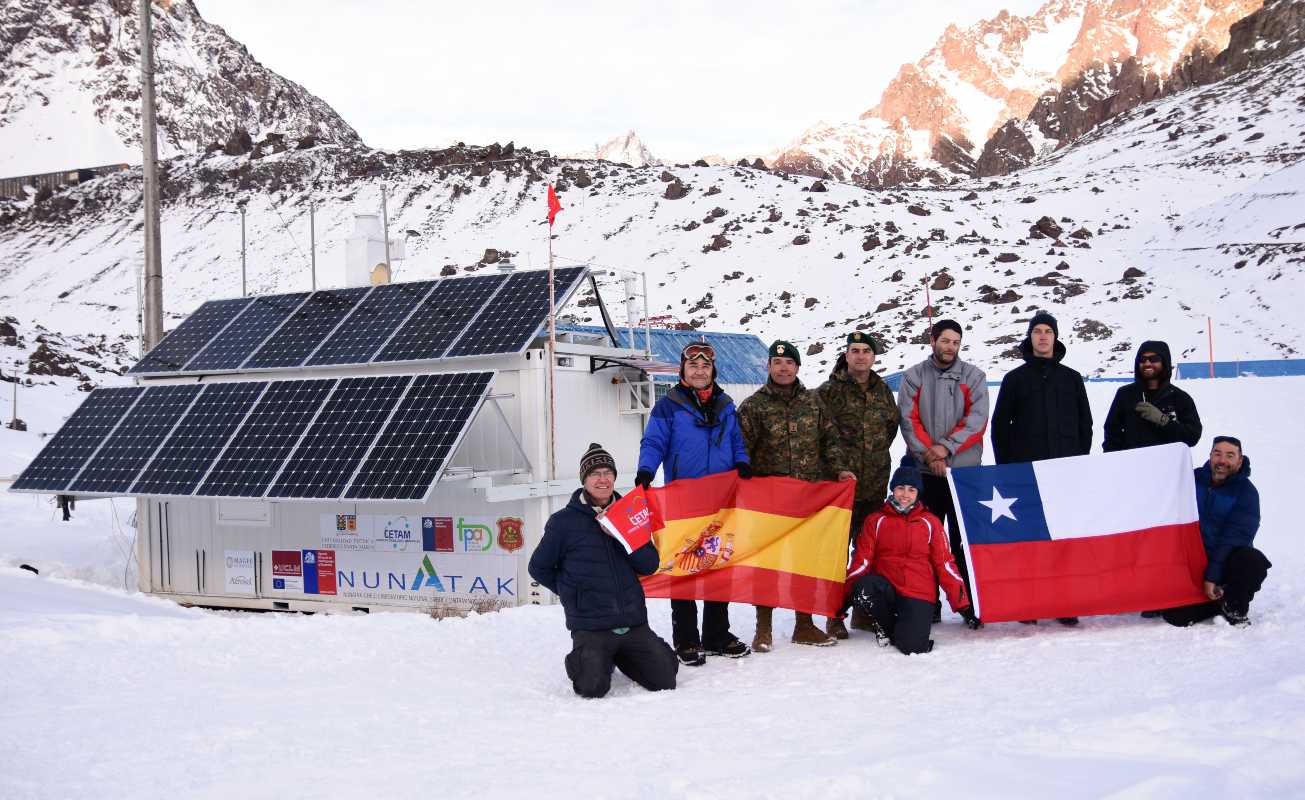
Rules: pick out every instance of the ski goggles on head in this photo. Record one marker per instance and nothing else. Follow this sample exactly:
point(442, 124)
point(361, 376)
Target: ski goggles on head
point(699, 351)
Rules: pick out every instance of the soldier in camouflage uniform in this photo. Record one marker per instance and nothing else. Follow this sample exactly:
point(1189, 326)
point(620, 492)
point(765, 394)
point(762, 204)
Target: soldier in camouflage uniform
point(865, 413)
point(787, 432)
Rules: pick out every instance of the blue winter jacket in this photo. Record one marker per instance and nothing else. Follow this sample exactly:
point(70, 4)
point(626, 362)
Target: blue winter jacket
point(585, 567)
point(1230, 515)
point(688, 441)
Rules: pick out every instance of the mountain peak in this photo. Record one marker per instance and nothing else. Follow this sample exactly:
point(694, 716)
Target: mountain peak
point(624, 149)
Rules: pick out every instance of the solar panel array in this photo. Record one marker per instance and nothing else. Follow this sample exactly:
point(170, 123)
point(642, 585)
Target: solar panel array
point(425, 320)
point(374, 437)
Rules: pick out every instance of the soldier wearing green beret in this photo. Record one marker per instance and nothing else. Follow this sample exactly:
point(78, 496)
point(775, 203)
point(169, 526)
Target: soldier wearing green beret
point(787, 432)
point(865, 413)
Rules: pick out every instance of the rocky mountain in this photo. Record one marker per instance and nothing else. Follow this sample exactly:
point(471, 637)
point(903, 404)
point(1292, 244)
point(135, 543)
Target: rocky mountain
point(1075, 58)
point(70, 87)
point(624, 149)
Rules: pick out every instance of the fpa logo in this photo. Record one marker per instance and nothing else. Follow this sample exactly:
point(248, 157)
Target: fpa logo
point(475, 538)
point(427, 575)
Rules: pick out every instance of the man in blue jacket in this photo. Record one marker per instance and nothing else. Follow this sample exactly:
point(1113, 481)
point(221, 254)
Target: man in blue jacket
point(600, 590)
point(1229, 509)
point(694, 431)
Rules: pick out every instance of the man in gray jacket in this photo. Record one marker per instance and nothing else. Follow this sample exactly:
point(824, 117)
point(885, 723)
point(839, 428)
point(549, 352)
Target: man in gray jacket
point(943, 405)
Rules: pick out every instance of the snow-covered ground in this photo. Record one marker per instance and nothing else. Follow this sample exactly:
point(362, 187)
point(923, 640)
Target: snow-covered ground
point(107, 693)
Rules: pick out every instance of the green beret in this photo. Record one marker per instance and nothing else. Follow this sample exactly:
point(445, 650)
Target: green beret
point(857, 337)
point(784, 349)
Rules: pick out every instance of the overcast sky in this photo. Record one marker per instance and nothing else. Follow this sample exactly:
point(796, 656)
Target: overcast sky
point(692, 79)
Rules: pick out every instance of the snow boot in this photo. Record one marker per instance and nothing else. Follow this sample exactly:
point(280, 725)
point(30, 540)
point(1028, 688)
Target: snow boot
point(731, 649)
point(836, 628)
point(691, 656)
point(806, 632)
point(1236, 617)
point(761, 642)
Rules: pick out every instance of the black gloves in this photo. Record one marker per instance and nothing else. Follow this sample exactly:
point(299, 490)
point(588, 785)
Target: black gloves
point(972, 622)
point(643, 478)
point(745, 469)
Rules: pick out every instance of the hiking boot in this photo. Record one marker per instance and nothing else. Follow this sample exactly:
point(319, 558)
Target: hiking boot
point(1235, 616)
point(836, 628)
point(761, 642)
point(731, 649)
point(1068, 622)
point(806, 632)
point(691, 656)
point(860, 620)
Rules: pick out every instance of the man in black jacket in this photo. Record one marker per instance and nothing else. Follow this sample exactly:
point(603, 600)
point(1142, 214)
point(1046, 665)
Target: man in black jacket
point(1151, 410)
point(1042, 407)
point(600, 590)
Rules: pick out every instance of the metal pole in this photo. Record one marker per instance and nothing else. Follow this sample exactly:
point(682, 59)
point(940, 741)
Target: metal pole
point(1209, 330)
point(647, 325)
point(149, 144)
point(312, 240)
point(385, 223)
point(552, 365)
point(243, 273)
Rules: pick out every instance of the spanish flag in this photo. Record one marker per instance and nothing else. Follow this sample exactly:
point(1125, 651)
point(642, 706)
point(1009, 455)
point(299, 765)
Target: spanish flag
point(776, 542)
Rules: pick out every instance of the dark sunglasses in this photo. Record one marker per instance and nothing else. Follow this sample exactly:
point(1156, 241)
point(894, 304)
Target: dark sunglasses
point(1151, 359)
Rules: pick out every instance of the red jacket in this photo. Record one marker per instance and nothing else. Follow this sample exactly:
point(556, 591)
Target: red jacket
point(911, 552)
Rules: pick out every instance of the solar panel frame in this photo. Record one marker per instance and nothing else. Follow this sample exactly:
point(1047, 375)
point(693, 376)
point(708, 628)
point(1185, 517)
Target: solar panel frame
point(134, 441)
point(306, 329)
point(194, 333)
point(412, 429)
point(500, 327)
point(409, 344)
point(228, 353)
point(346, 344)
point(200, 437)
point(266, 438)
point(86, 429)
point(341, 435)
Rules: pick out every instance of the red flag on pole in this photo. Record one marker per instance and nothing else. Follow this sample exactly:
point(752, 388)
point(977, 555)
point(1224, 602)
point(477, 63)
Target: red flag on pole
point(553, 205)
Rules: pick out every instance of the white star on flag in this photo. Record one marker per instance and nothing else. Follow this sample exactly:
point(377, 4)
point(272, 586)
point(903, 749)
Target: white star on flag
point(1000, 505)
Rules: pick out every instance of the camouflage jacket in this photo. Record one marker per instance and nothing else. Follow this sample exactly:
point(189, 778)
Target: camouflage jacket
point(866, 419)
point(790, 435)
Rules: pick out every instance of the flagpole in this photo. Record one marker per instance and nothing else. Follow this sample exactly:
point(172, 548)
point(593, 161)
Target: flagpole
point(552, 364)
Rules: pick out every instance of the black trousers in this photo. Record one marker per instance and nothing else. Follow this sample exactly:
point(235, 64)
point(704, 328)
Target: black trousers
point(639, 653)
point(937, 497)
point(715, 624)
point(906, 620)
point(1244, 574)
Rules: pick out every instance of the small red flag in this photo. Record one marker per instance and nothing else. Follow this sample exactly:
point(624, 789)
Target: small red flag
point(553, 205)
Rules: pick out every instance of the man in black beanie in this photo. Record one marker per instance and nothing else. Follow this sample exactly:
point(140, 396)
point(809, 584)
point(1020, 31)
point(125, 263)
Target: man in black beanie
point(608, 620)
point(1042, 407)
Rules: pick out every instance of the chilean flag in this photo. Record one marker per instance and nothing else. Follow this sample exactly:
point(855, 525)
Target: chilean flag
point(1068, 537)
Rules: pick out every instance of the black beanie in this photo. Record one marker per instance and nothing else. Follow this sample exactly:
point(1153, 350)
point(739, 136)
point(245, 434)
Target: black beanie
point(906, 476)
point(1043, 318)
point(595, 458)
point(945, 325)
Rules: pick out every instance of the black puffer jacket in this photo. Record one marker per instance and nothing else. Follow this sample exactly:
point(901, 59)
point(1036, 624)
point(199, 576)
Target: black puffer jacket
point(1125, 429)
point(1042, 410)
point(596, 581)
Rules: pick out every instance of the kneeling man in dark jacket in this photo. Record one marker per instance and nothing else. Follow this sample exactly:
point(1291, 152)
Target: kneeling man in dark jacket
point(599, 586)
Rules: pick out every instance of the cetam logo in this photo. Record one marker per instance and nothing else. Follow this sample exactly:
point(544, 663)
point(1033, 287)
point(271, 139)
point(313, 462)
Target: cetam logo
point(427, 575)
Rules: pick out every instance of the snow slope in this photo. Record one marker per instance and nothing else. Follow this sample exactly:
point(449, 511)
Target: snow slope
point(110, 694)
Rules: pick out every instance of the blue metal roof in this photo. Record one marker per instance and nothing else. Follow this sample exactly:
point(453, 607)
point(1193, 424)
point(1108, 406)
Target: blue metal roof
point(740, 357)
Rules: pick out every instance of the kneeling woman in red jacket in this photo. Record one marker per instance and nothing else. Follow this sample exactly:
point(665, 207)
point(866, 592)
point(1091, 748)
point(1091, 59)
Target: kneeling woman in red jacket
point(901, 559)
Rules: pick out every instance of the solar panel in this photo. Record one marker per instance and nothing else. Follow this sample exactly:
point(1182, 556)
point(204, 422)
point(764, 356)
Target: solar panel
point(263, 316)
point(260, 447)
point(124, 454)
point(419, 439)
point(198, 439)
point(190, 336)
point(440, 318)
point(334, 446)
point(513, 318)
point(59, 461)
point(371, 324)
point(291, 345)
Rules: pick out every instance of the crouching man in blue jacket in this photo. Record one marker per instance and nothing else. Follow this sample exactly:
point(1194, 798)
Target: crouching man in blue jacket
point(1229, 509)
point(599, 586)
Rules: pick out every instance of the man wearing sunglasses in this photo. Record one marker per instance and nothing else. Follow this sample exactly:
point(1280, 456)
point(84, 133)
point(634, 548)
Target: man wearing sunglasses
point(1151, 410)
point(694, 431)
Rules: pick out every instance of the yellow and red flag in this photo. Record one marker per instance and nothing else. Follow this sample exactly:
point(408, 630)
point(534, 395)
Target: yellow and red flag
point(776, 542)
